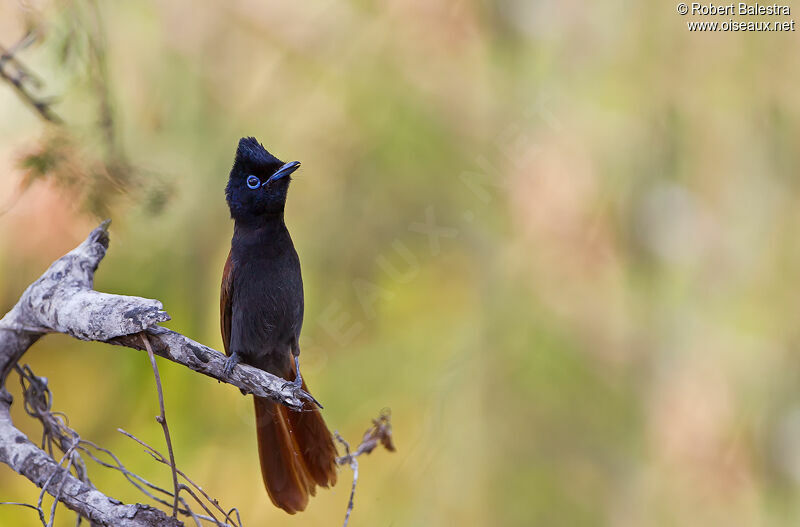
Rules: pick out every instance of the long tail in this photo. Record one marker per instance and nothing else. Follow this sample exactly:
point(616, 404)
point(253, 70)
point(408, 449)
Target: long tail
point(296, 451)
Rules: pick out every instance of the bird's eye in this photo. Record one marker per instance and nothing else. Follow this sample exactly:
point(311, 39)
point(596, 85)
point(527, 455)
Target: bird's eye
point(253, 182)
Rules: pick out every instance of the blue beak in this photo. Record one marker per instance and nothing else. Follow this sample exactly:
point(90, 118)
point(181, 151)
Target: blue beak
point(284, 171)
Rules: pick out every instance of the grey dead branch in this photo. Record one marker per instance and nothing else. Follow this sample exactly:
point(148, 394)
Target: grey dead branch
point(63, 300)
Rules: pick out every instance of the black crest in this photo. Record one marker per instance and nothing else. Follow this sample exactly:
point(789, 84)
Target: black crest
point(252, 154)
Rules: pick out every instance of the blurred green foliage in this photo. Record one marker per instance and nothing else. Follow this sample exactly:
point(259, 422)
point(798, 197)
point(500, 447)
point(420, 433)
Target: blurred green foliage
point(557, 239)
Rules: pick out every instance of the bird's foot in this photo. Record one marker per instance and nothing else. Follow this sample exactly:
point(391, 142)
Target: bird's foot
point(231, 363)
point(296, 386)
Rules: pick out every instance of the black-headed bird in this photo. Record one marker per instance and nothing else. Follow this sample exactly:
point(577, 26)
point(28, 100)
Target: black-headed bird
point(261, 305)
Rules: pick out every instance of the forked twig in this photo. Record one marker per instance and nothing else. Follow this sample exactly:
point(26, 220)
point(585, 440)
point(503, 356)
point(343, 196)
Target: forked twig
point(379, 433)
point(353, 462)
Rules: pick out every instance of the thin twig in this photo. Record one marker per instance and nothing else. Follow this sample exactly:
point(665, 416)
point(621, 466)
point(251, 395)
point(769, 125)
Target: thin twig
point(194, 516)
point(380, 433)
point(28, 505)
point(9, 55)
point(140, 483)
point(17, 75)
point(158, 456)
point(67, 456)
point(162, 419)
point(38, 402)
point(134, 479)
point(60, 490)
point(353, 462)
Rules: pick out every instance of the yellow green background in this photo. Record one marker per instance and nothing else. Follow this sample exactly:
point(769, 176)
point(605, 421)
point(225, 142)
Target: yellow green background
point(606, 331)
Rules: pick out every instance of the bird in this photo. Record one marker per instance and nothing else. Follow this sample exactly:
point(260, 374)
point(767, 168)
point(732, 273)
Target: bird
point(261, 313)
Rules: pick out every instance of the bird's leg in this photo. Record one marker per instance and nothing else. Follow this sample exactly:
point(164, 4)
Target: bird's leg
point(231, 362)
point(297, 384)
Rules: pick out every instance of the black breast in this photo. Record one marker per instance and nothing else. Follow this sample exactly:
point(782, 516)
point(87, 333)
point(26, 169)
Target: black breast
point(267, 306)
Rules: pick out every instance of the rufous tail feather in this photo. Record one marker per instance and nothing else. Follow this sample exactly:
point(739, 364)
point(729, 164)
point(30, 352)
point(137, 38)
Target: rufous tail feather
point(296, 452)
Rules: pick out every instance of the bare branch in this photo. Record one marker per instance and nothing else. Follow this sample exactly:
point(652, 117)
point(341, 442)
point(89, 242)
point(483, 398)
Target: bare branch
point(162, 419)
point(30, 461)
point(63, 300)
point(208, 361)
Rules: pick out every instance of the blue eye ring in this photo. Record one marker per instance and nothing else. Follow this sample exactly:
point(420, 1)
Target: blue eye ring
point(253, 182)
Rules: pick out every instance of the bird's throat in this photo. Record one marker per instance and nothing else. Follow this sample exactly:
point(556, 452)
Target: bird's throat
point(269, 230)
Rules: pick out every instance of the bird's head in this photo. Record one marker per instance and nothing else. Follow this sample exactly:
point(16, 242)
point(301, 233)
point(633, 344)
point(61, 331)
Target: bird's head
point(258, 183)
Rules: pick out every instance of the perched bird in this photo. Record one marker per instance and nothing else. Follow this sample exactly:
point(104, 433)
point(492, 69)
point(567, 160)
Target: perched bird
point(261, 310)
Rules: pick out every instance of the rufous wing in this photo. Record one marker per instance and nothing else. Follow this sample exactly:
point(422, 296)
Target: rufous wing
point(226, 303)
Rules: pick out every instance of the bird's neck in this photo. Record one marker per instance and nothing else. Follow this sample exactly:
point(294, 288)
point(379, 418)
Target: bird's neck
point(269, 229)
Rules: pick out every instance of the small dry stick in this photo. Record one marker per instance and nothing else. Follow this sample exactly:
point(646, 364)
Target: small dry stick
point(162, 419)
point(142, 484)
point(353, 462)
point(379, 433)
point(61, 487)
point(28, 505)
point(20, 78)
point(158, 456)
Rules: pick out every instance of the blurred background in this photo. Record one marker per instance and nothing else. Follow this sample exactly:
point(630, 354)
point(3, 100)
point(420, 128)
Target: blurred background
point(558, 239)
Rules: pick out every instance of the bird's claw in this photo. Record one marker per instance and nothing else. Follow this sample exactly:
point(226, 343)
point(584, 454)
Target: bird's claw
point(230, 363)
point(297, 391)
point(296, 386)
point(302, 394)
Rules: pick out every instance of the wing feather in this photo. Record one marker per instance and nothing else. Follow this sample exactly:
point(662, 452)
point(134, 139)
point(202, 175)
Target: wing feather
point(226, 303)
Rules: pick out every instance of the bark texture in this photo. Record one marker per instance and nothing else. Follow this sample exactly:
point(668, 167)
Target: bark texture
point(63, 300)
